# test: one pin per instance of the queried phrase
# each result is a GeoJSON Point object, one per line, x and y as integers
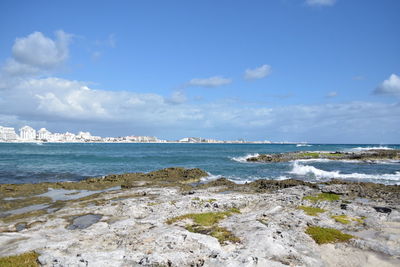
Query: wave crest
{"type": "Point", "coordinates": [243, 159]}
{"type": "Point", "coordinates": [300, 169]}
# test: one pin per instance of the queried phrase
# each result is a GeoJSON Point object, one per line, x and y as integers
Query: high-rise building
{"type": "Point", "coordinates": [43, 134]}
{"type": "Point", "coordinates": [27, 133]}
{"type": "Point", "coordinates": [7, 134]}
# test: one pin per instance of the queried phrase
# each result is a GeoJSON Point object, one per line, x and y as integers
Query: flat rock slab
{"type": "Point", "coordinates": [84, 221]}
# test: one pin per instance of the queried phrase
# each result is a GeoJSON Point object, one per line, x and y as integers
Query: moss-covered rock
{"type": "Point", "coordinates": [323, 197]}
{"type": "Point", "coordinates": [323, 235]}
{"type": "Point", "coordinates": [207, 224]}
{"type": "Point", "coordinates": [29, 259]}
{"type": "Point", "coordinates": [312, 211]}
{"type": "Point", "coordinates": [128, 180]}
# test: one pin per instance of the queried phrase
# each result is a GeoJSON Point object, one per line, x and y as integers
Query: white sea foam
{"type": "Point", "coordinates": [243, 159]}
{"type": "Point", "coordinates": [281, 178]}
{"type": "Point", "coordinates": [210, 177]}
{"type": "Point", "coordinates": [300, 169]}
{"type": "Point", "coordinates": [386, 161]}
{"type": "Point", "coordinates": [300, 145]}
{"type": "Point", "coordinates": [371, 148]}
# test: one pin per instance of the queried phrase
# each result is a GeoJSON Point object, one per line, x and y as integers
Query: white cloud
{"type": "Point", "coordinates": [390, 86]}
{"type": "Point", "coordinates": [214, 81]}
{"type": "Point", "coordinates": [59, 102]}
{"type": "Point", "coordinates": [332, 94]}
{"type": "Point", "coordinates": [41, 51]}
{"type": "Point", "coordinates": [320, 2]}
{"type": "Point", "coordinates": [177, 97]}
{"type": "Point", "coordinates": [257, 73]}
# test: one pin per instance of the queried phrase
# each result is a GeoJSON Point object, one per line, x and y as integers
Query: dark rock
{"type": "Point", "coordinates": [20, 226]}
{"type": "Point", "coordinates": [383, 209]}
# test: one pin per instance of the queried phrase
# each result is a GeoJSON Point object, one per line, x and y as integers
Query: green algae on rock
{"type": "Point", "coordinates": [6, 205]}
{"type": "Point", "coordinates": [312, 211]}
{"type": "Point", "coordinates": [207, 223]}
{"type": "Point", "coordinates": [29, 259]}
{"type": "Point", "coordinates": [323, 197]}
{"type": "Point", "coordinates": [323, 235]}
{"type": "Point", "coordinates": [165, 176]}
{"type": "Point", "coordinates": [205, 219]}
{"type": "Point", "coordinates": [222, 234]}
{"type": "Point", "coordinates": [344, 219]}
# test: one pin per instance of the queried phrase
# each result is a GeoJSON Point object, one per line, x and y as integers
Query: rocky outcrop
{"type": "Point", "coordinates": [263, 223]}
{"type": "Point", "coordinates": [172, 176]}
{"type": "Point", "coordinates": [370, 155]}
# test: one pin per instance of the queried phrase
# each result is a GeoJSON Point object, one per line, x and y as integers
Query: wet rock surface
{"type": "Point", "coordinates": [263, 223]}
{"type": "Point", "coordinates": [84, 221]}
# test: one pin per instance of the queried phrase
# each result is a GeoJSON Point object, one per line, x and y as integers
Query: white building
{"type": "Point", "coordinates": [190, 140]}
{"type": "Point", "coordinates": [43, 134]}
{"type": "Point", "coordinates": [7, 134]}
{"type": "Point", "coordinates": [27, 133]}
{"type": "Point", "coordinates": [69, 137]}
{"type": "Point", "coordinates": [142, 139]}
{"type": "Point", "coordinates": [84, 136]}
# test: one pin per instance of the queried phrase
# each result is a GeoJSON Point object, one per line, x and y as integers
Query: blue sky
{"type": "Point", "coordinates": [301, 70]}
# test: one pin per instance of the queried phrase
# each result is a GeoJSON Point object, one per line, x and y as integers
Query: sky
{"type": "Point", "coordinates": [321, 71]}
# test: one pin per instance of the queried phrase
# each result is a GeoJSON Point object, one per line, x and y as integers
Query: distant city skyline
{"type": "Point", "coordinates": [29, 134]}
{"type": "Point", "coordinates": [322, 71]}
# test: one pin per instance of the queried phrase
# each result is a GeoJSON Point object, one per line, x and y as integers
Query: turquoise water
{"type": "Point", "coordinates": [31, 163]}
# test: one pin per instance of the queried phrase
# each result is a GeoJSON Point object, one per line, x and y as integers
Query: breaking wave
{"type": "Point", "coordinates": [243, 159]}
{"type": "Point", "coordinates": [299, 169]}
{"type": "Point", "coordinates": [300, 145]}
{"type": "Point", "coordinates": [210, 177]}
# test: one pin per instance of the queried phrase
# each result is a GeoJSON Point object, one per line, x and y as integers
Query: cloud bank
{"type": "Point", "coordinates": [44, 100]}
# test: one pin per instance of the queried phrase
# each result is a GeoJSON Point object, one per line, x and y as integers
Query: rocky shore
{"type": "Point", "coordinates": [370, 155]}
{"type": "Point", "coordinates": [170, 218]}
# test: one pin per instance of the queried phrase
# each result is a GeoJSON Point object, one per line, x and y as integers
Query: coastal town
{"type": "Point", "coordinates": [28, 134]}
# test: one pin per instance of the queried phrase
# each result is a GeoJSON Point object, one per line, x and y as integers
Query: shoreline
{"type": "Point", "coordinates": [214, 143]}
{"type": "Point", "coordinates": [166, 217]}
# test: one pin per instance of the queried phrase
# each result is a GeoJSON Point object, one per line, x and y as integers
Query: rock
{"type": "Point", "coordinates": [131, 228]}
{"type": "Point", "coordinates": [383, 209]}
{"type": "Point", "coordinates": [84, 221]}
{"type": "Point", "coordinates": [339, 189]}
{"type": "Point", "coordinates": [364, 156]}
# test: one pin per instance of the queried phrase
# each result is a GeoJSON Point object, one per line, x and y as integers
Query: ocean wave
{"type": "Point", "coordinates": [371, 148]}
{"type": "Point", "coordinates": [299, 169]}
{"type": "Point", "coordinates": [300, 145]}
{"type": "Point", "coordinates": [243, 159]}
{"type": "Point", "coordinates": [210, 177]}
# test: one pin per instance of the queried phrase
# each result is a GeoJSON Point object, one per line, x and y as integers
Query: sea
{"type": "Point", "coordinates": [53, 162]}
